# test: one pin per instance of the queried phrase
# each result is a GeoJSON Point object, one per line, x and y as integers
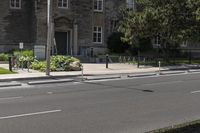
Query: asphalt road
{"type": "Point", "coordinates": [117, 106]}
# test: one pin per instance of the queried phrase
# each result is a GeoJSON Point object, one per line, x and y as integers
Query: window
{"type": "Point", "coordinates": [113, 25]}
{"type": "Point", "coordinates": [63, 3]}
{"type": "Point", "coordinates": [97, 34]}
{"type": "Point", "coordinates": [98, 5]}
{"type": "Point", "coordinates": [184, 44]}
{"type": "Point", "coordinates": [157, 41]}
{"type": "Point", "coordinates": [15, 4]}
{"type": "Point", "coordinates": [130, 4]}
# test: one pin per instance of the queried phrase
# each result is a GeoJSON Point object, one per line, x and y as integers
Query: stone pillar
{"type": "Point", "coordinates": [75, 38]}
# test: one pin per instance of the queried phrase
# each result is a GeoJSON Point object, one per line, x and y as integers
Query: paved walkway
{"type": "Point", "coordinates": [88, 69]}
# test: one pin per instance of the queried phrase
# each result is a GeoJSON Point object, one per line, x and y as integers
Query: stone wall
{"type": "Point", "coordinates": [16, 25]}
{"type": "Point", "coordinates": [41, 22]}
{"type": "Point", "coordinates": [112, 15]}
{"type": "Point", "coordinates": [29, 24]}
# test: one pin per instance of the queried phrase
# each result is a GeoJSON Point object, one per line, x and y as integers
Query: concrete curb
{"type": "Point", "coordinates": [38, 77]}
{"type": "Point", "coordinates": [171, 72]}
{"type": "Point", "coordinates": [49, 81]}
{"type": "Point", "coordinates": [141, 75]}
{"type": "Point", "coordinates": [103, 77]}
{"type": "Point", "coordinates": [98, 76]}
{"type": "Point", "coordinates": [194, 70]}
{"type": "Point", "coordinates": [10, 84]}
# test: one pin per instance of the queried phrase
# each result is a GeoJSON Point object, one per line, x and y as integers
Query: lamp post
{"type": "Point", "coordinates": [49, 34]}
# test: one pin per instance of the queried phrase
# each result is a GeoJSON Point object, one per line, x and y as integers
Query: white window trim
{"type": "Point", "coordinates": [63, 7]}
{"type": "Point", "coordinates": [20, 5]}
{"type": "Point", "coordinates": [97, 10]}
{"type": "Point", "coordinates": [97, 32]}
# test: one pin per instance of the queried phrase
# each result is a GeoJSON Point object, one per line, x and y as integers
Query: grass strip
{"type": "Point", "coordinates": [188, 127]}
{"type": "Point", "coordinates": [5, 71]}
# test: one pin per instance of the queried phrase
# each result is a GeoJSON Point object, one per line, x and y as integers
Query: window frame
{"type": "Point", "coordinates": [15, 4]}
{"type": "Point", "coordinates": [97, 32]}
{"type": "Point", "coordinates": [62, 3]}
{"type": "Point", "coordinates": [96, 4]}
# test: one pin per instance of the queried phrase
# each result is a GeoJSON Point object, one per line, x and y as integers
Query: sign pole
{"type": "Point", "coordinates": [21, 46]}
{"type": "Point", "coordinates": [49, 35]}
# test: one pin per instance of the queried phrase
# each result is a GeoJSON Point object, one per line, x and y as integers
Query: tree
{"type": "Point", "coordinates": [133, 28]}
{"type": "Point", "coordinates": [115, 44]}
{"type": "Point", "coordinates": [174, 21]}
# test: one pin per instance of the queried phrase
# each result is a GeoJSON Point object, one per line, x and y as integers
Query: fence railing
{"type": "Point", "coordinates": [133, 60]}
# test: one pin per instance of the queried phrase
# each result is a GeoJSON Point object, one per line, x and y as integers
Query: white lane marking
{"type": "Point", "coordinates": [160, 83]}
{"type": "Point", "coordinates": [49, 93]}
{"type": "Point", "coordinates": [193, 92]}
{"type": "Point", "coordinates": [29, 114]}
{"type": "Point", "coordinates": [10, 98]}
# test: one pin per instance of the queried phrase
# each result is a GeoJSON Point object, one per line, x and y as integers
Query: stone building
{"type": "Point", "coordinates": [81, 27]}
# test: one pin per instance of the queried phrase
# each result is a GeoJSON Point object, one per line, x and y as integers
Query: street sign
{"type": "Point", "coordinates": [21, 45]}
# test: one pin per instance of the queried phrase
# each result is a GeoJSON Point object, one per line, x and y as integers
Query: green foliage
{"type": "Point", "coordinates": [38, 65]}
{"type": "Point", "coordinates": [4, 57]}
{"type": "Point", "coordinates": [174, 21]}
{"type": "Point", "coordinates": [58, 63]}
{"type": "Point", "coordinates": [24, 53]}
{"type": "Point", "coordinates": [114, 43]}
{"type": "Point", "coordinates": [23, 57]}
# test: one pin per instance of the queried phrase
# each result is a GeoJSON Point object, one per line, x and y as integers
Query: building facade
{"type": "Point", "coordinates": [81, 27]}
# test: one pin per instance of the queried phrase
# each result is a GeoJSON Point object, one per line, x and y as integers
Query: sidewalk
{"type": "Point", "coordinates": [88, 70]}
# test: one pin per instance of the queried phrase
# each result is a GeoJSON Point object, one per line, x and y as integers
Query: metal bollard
{"type": "Point", "coordinates": [107, 60]}
{"type": "Point", "coordinates": [28, 65]}
{"type": "Point", "coordinates": [10, 63]}
{"type": "Point", "coordinates": [82, 73]}
{"type": "Point", "coordinates": [159, 63]}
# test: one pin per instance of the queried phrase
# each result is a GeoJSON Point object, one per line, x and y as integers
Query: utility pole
{"type": "Point", "coordinates": [49, 34]}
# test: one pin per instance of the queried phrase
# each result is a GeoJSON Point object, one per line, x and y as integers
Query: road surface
{"type": "Point", "coordinates": [114, 106]}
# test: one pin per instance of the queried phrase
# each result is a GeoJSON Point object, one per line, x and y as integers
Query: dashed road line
{"type": "Point", "coordinates": [30, 114]}
{"type": "Point", "coordinates": [193, 92]}
{"type": "Point", "coordinates": [162, 83]}
{"type": "Point", "coordinates": [10, 98]}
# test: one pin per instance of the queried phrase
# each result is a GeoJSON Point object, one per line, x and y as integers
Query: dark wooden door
{"type": "Point", "coordinates": [62, 43]}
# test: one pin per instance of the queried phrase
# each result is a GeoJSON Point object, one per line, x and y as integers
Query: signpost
{"type": "Point", "coordinates": [49, 34]}
{"type": "Point", "coordinates": [21, 45]}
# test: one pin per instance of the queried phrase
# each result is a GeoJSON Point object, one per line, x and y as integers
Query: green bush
{"type": "Point", "coordinates": [58, 63]}
{"type": "Point", "coordinates": [23, 57]}
{"type": "Point", "coordinates": [4, 57]}
{"type": "Point", "coordinates": [25, 53]}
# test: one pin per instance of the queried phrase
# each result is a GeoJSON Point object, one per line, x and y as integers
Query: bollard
{"type": "Point", "coordinates": [159, 63]}
{"type": "Point", "coordinates": [107, 61]}
{"type": "Point", "coordinates": [28, 65]}
{"type": "Point", "coordinates": [10, 63]}
{"type": "Point", "coordinates": [82, 73]}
